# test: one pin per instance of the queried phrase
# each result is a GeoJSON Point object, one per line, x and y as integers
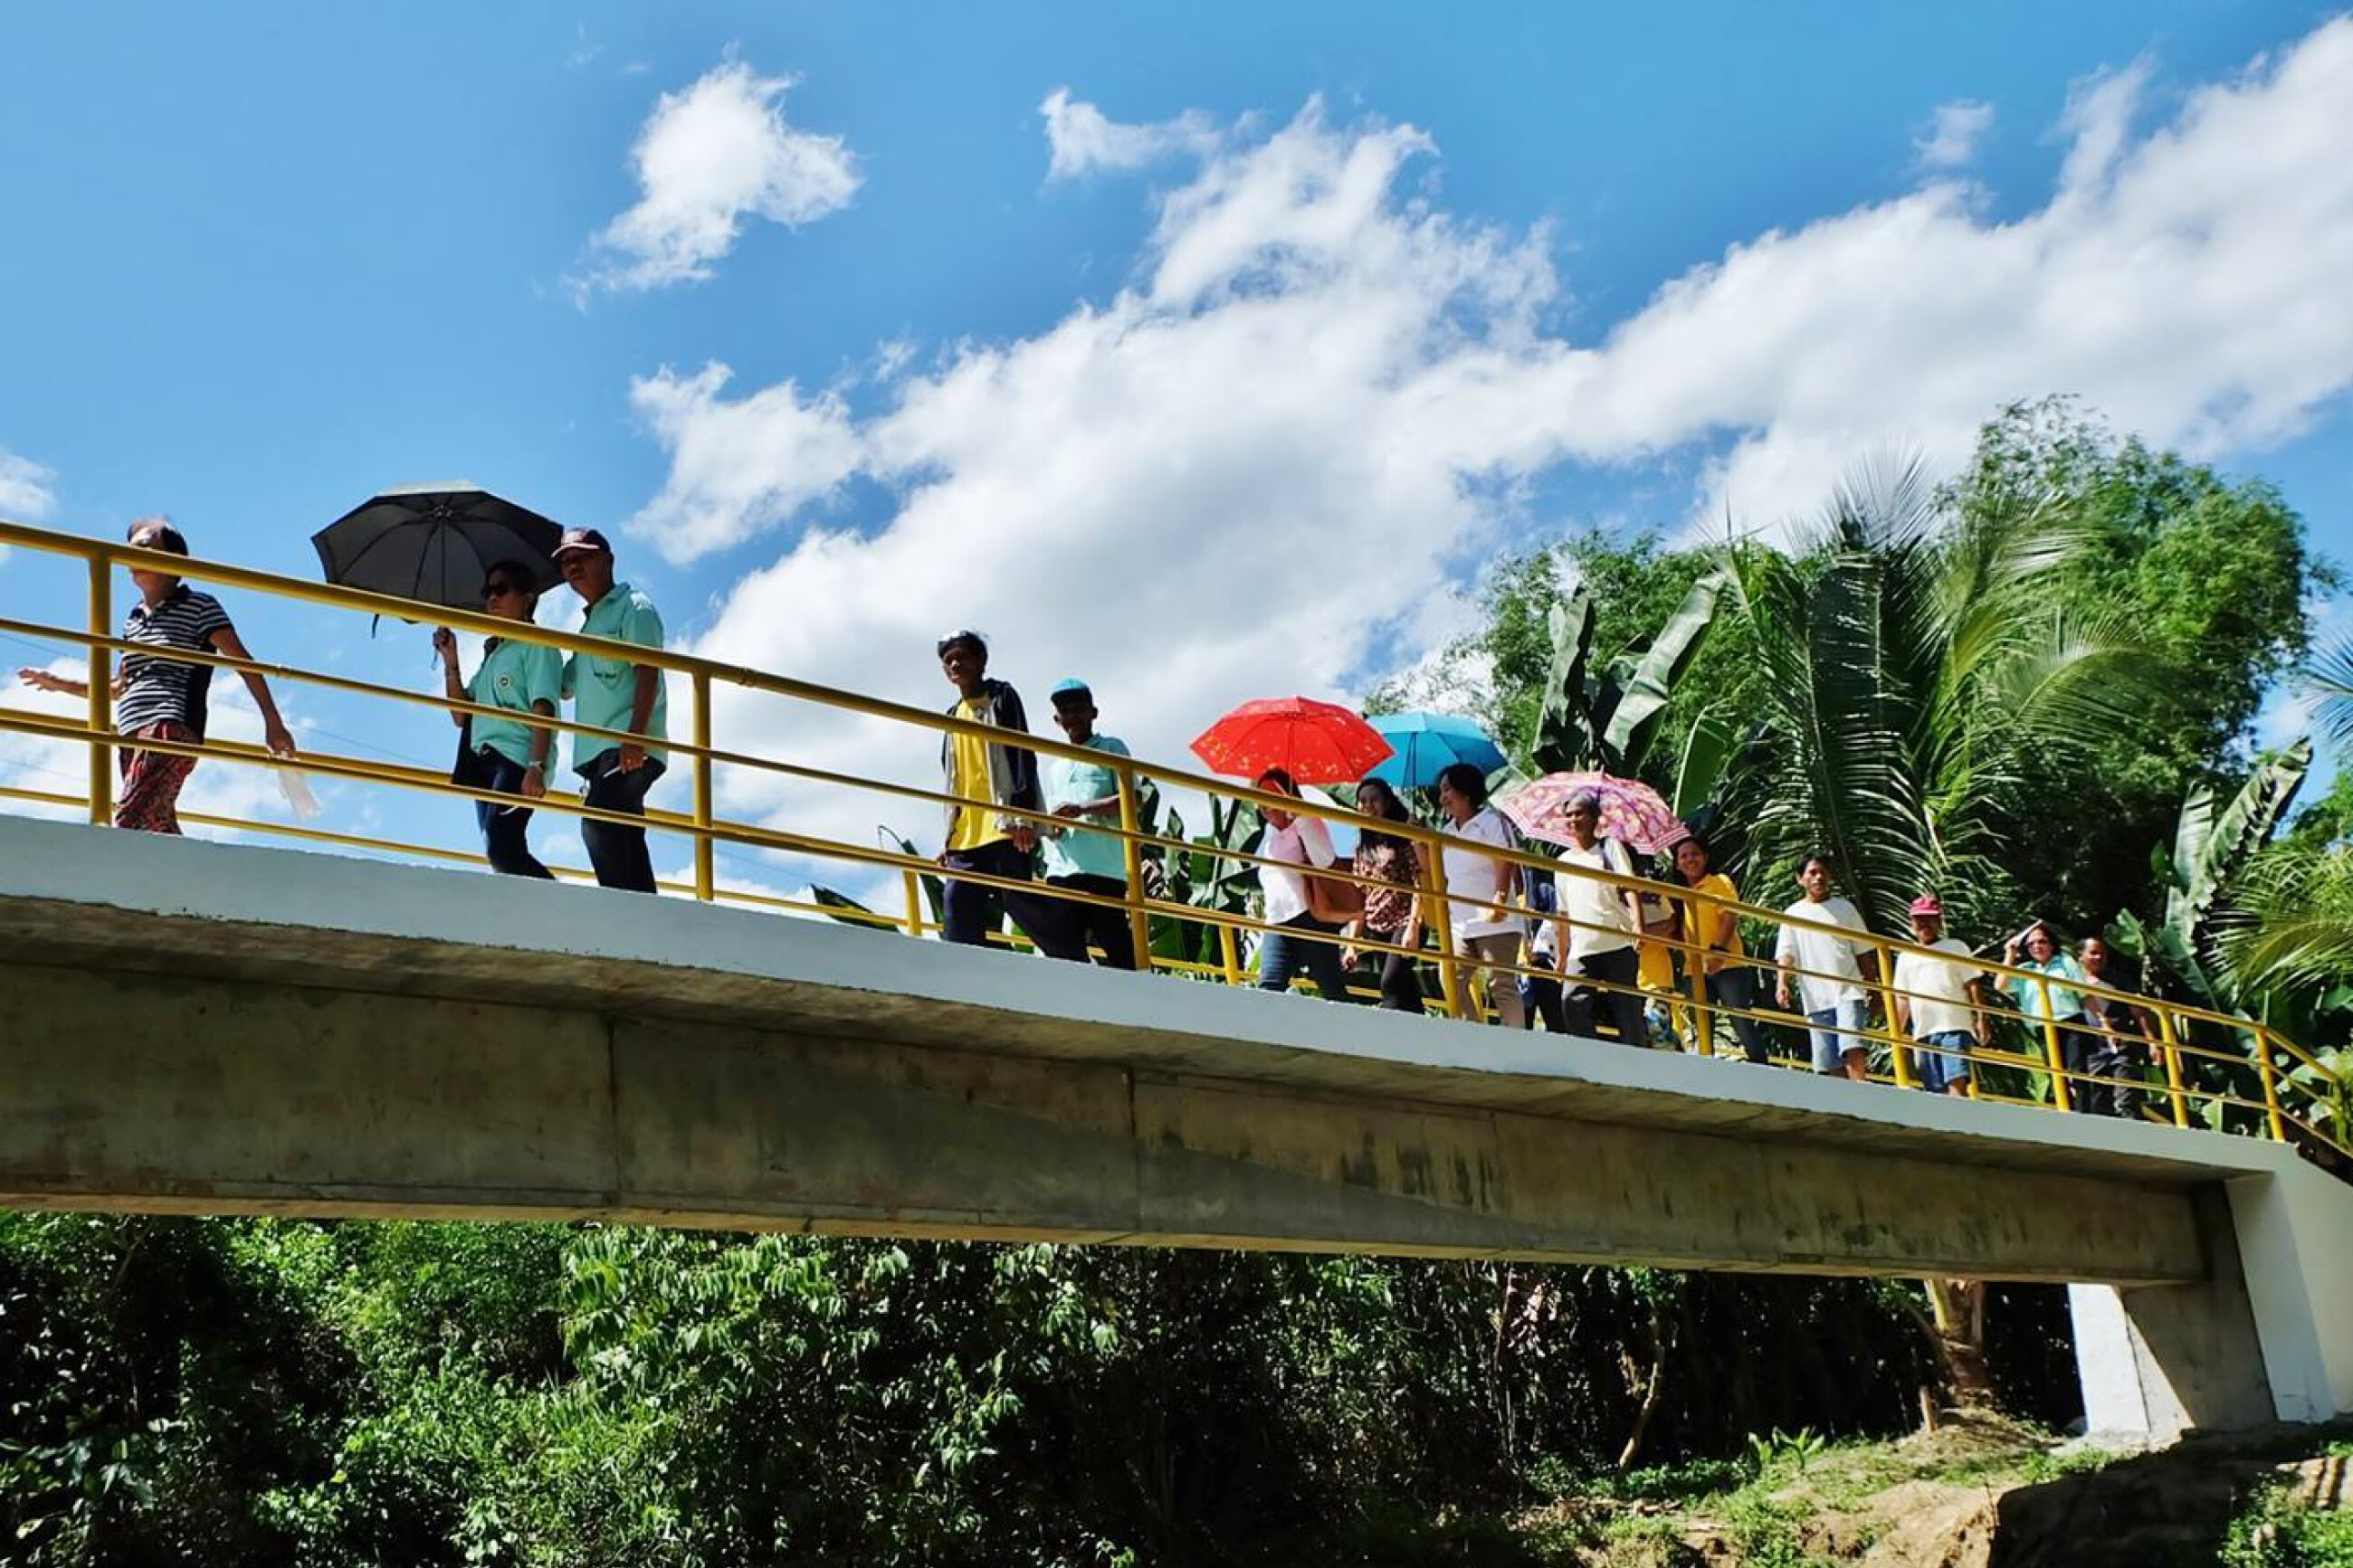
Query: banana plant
{"type": "Point", "coordinates": [1607, 718]}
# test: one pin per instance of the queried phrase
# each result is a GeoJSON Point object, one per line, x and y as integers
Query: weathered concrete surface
{"type": "Point", "coordinates": [210, 1028]}
{"type": "Point", "coordinates": [151, 1092]}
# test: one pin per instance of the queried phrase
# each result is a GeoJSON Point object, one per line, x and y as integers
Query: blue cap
{"type": "Point", "coordinates": [1065, 687]}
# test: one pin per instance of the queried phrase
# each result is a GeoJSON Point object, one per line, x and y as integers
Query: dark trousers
{"type": "Point", "coordinates": [1623, 1008]}
{"type": "Point", "coordinates": [1303, 944]}
{"type": "Point", "coordinates": [505, 829]}
{"type": "Point", "coordinates": [2113, 1088]}
{"type": "Point", "coordinates": [1400, 976]}
{"type": "Point", "coordinates": [618, 853]}
{"type": "Point", "coordinates": [1098, 925]}
{"type": "Point", "coordinates": [970, 911]}
{"type": "Point", "coordinates": [1736, 986]}
{"type": "Point", "coordinates": [1541, 998]}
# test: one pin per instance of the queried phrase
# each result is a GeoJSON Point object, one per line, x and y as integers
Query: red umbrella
{"type": "Point", "coordinates": [1314, 742]}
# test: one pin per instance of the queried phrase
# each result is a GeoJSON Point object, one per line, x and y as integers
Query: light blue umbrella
{"type": "Point", "coordinates": [1426, 744]}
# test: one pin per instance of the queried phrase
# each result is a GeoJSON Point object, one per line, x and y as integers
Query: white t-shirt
{"type": "Point", "coordinates": [1304, 842]}
{"type": "Point", "coordinates": [1938, 992]}
{"type": "Point", "coordinates": [1589, 902]}
{"type": "Point", "coordinates": [1811, 939]}
{"type": "Point", "coordinates": [1474, 874]}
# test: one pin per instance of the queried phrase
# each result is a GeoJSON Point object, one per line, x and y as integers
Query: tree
{"type": "Point", "coordinates": [2212, 574]}
{"type": "Point", "coordinates": [1915, 667]}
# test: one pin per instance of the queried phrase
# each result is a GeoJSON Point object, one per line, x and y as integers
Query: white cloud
{"type": "Point", "coordinates": [28, 491]}
{"type": "Point", "coordinates": [1255, 469]}
{"type": "Point", "coordinates": [1080, 140]}
{"type": "Point", "coordinates": [736, 467]}
{"type": "Point", "coordinates": [1950, 139]}
{"type": "Point", "coordinates": [708, 158]}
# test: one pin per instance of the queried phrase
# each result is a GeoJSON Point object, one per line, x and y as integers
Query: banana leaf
{"type": "Point", "coordinates": [1565, 727]}
{"type": "Point", "coordinates": [1642, 704]}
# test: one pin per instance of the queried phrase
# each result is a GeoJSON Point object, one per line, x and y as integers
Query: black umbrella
{"type": "Point", "coordinates": [434, 543]}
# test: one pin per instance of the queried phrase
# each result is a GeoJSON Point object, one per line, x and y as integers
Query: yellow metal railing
{"type": "Point", "coordinates": [2280, 1106]}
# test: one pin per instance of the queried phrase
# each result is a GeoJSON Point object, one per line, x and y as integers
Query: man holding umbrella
{"type": "Point", "coordinates": [613, 694]}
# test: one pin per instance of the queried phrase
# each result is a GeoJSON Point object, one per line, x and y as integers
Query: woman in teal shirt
{"type": "Point", "coordinates": [2055, 996]}
{"type": "Point", "coordinates": [508, 756]}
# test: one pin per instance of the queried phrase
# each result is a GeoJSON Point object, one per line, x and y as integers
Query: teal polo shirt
{"type": "Point", "coordinates": [1066, 780]}
{"type": "Point", "coordinates": [603, 690]}
{"type": "Point", "coordinates": [512, 676]}
{"type": "Point", "coordinates": [2065, 1000]}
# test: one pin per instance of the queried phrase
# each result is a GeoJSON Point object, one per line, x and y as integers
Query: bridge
{"type": "Point", "coordinates": [212, 1029]}
{"type": "Point", "coordinates": [226, 1028]}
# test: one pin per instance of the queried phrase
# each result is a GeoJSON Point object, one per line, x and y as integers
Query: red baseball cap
{"type": "Point", "coordinates": [583, 538]}
{"type": "Point", "coordinates": [1927, 904]}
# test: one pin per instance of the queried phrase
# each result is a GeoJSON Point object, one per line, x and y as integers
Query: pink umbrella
{"type": "Point", "coordinates": [1631, 811]}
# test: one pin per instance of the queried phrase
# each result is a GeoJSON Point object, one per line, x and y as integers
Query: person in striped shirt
{"type": "Point", "coordinates": [157, 698]}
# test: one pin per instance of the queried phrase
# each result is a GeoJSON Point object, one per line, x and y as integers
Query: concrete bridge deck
{"type": "Point", "coordinates": [199, 1027]}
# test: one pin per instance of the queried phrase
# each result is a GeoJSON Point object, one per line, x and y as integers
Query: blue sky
{"type": "Point", "coordinates": [1338, 300]}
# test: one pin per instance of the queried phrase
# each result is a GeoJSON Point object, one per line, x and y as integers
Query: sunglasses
{"type": "Point", "coordinates": [497, 589]}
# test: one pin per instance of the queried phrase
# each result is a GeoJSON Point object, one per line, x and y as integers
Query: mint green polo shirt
{"type": "Point", "coordinates": [512, 676]}
{"type": "Point", "coordinates": [603, 690]}
{"type": "Point", "coordinates": [1066, 780]}
{"type": "Point", "coordinates": [2065, 1000]}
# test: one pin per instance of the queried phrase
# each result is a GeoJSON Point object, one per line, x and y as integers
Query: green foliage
{"type": "Point", "coordinates": [1793, 1450]}
{"type": "Point", "coordinates": [348, 1394]}
{"type": "Point", "coordinates": [2278, 1529]}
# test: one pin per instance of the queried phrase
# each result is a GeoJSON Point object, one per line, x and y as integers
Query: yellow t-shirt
{"type": "Point", "coordinates": [968, 778]}
{"type": "Point", "coordinates": [1699, 918]}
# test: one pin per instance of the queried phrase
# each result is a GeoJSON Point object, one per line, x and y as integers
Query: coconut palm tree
{"type": "Point", "coordinates": [1918, 673]}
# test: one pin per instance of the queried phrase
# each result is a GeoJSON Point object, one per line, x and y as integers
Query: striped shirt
{"type": "Point", "coordinates": [166, 690]}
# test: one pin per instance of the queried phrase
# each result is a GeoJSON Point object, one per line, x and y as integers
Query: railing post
{"type": "Point", "coordinates": [1696, 960]}
{"type": "Point", "coordinates": [1898, 1048]}
{"type": "Point", "coordinates": [2061, 1093]}
{"type": "Point", "coordinates": [2172, 1049]}
{"type": "Point", "coordinates": [706, 880]}
{"type": "Point", "coordinates": [2270, 1074]}
{"type": "Point", "coordinates": [1229, 954]}
{"type": "Point", "coordinates": [1451, 978]}
{"type": "Point", "coordinates": [101, 695]}
{"type": "Point", "coordinates": [914, 887]}
{"type": "Point", "coordinates": [1139, 918]}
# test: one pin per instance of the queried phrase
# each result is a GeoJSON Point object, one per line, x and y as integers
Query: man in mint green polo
{"type": "Point", "coordinates": [1076, 859]}
{"type": "Point", "coordinates": [613, 694]}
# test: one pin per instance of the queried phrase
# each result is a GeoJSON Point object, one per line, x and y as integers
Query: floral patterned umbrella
{"type": "Point", "coordinates": [1631, 811]}
{"type": "Point", "coordinates": [1314, 742]}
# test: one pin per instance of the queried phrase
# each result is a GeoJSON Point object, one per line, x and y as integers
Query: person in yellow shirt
{"type": "Point", "coordinates": [985, 775]}
{"type": "Point", "coordinates": [1714, 931]}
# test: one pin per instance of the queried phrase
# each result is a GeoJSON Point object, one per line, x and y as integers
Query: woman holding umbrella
{"type": "Point", "coordinates": [1298, 940]}
{"type": "Point", "coordinates": [508, 756]}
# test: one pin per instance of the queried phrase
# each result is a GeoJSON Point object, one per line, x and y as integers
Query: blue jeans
{"type": "Point", "coordinates": [1294, 947]}
{"type": "Point", "coordinates": [505, 836]}
{"type": "Point", "coordinates": [1937, 1060]}
{"type": "Point", "coordinates": [1831, 1040]}
{"type": "Point", "coordinates": [618, 853]}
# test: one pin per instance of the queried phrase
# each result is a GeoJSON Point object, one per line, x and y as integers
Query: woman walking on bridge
{"type": "Point", "coordinates": [508, 756]}
{"type": "Point", "coordinates": [157, 698]}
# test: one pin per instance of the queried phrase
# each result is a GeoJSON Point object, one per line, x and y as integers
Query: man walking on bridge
{"type": "Point", "coordinates": [985, 775]}
{"type": "Point", "coordinates": [613, 694]}
{"type": "Point", "coordinates": [1075, 859]}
